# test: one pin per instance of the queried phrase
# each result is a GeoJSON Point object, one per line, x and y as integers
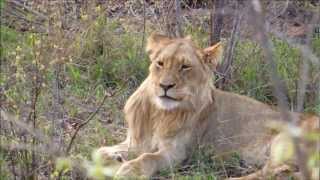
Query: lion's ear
{"type": "Point", "coordinates": [213, 55]}
{"type": "Point", "coordinates": [155, 42]}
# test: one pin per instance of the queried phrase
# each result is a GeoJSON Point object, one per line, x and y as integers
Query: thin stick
{"type": "Point", "coordinates": [216, 16]}
{"type": "Point", "coordinates": [144, 28]}
{"type": "Point", "coordinates": [225, 67]}
{"type": "Point", "coordinates": [178, 19]}
{"type": "Point", "coordinates": [85, 123]}
{"type": "Point", "coordinates": [93, 114]}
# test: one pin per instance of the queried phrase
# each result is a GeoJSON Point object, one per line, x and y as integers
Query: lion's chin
{"type": "Point", "coordinates": [166, 103]}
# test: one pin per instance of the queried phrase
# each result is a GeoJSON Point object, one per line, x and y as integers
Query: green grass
{"type": "Point", "coordinates": [110, 60]}
{"type": "Point", "coordinates": [316, 45]}
{"type": "Point", "coordinates": [9, 39]}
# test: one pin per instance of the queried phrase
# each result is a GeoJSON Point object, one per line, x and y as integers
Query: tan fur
{"type": "Point", "coordinates": [276, 170]}
{"type": "Point", "coordinates": [163, 131]}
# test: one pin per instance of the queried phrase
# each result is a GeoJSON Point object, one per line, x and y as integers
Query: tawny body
{"type": "Point", "coordinates": [230, 122]}
{"type": "Point", "coordinates": [177, 108]}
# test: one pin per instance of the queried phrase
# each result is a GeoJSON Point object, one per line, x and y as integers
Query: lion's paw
{"type": "Point", "coordinates": [130, 169]}
{"type": "Point", "coordinates": [110, 157]}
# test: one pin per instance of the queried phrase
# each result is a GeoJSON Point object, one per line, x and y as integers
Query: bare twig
{"type": "Point", "coordinates": [23, 17]}
{"type": "Point", "coordinates": [168, 11]}
{"type": "Point", "coordinates": [283, 10]}
{"type": "Point", "coordinates": [216, 21]}
{"type": "Point", "coordinates": [20, 5]}
{"type": "Point", "coordinates": [228, 60]}
{"type": "Point", "coordinates": [302, 82]}
{"type": "Point", "coordinates": [144, 29]}
{"type": "Point", "coordinates": [178, 19]}
{"type": "Point", "coordinates": [92, 115]}
{"type": "Point", "coordinates": [34, 118]}
{"type": "Point", "coordinates": [13, 164]}
{"type": "Point", "coordinates": [5, 116]}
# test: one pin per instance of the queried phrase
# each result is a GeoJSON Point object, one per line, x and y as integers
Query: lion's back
{"type": "Point", "coordinates": [237, 124]}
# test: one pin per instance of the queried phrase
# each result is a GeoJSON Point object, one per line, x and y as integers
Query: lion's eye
{"type": "Point", "coordinates": [159, 63]}
{"type": "Point", "coordinates": [185, 67]}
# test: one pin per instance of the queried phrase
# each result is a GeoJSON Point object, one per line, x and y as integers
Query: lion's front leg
{"type": "Point", "coordinates": [117, 152]}
{"type": "Point", "coordinates": [149, 163]}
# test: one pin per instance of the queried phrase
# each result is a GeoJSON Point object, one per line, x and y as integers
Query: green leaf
{"type": "Point", "coordinates": [282, 149]}
{"type": "Point", "coordinates": [63, 165]}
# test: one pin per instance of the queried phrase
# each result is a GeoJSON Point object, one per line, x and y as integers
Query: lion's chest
{"type": "Point", "coordinates": [167, 126]}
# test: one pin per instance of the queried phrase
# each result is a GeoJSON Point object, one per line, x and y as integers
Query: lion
{"type": "Point", "coordinates": [178, 108]}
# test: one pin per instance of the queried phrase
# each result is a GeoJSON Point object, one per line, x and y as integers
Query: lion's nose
{"type": "Point", "coordinates": [166, 87]}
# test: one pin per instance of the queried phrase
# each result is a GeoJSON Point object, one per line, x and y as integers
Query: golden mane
{"type": "Point", "coordinates": [143, 115]}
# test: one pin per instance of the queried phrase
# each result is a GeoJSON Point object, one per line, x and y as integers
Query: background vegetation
{"type": "Point", "coordinates": [67, 69]}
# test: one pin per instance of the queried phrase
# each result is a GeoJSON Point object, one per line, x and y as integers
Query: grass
{"type": "Point", "coordinates": [102, 60]}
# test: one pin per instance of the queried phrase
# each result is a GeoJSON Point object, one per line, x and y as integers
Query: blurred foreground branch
{"type": "Point", "coordinates": [279, 87]}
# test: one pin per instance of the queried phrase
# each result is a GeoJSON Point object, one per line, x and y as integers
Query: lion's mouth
{"type": "Point", "coordinates": [168, 97]}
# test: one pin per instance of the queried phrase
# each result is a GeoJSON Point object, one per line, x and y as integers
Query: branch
{"type": "Point", "coordinates": [6, 116]}
{"type": "Point", "coordinates": [216, 17]}
{"type": "Point", "coordinates": [89, 119]}
{"type": "Point", "coordinates": [279, 87]}
{"type": "Point", "coordinates": [20, 5]}
{"type": "Point", "coordinates": [144, 28]}
{"type": "Point", "coordinates": [228, 61]}
{"type": "Point", "coordinates": [178, 19]}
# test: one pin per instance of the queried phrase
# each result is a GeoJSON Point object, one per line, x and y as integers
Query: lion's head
{"type": "Point", "coordinates": [180, 73]}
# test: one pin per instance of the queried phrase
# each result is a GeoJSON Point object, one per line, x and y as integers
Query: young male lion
{"type": "Point", "coordinates": [177, 108]}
